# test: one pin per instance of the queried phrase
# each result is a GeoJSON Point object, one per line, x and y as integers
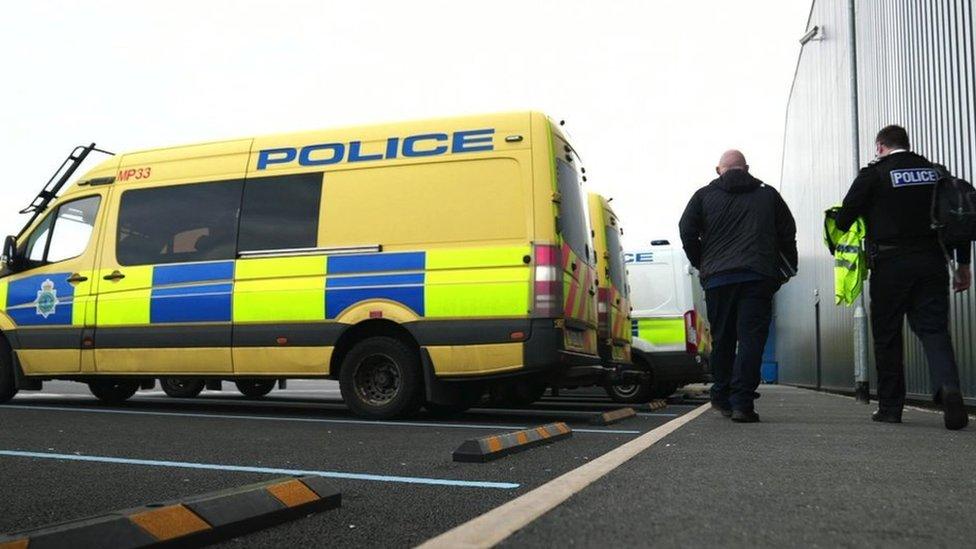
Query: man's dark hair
{"type": "Point", "coordinates": [893, 137]}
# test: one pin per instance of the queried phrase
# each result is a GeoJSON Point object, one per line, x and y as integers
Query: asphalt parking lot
{"type": "Point", "coordinates": [65, 456]}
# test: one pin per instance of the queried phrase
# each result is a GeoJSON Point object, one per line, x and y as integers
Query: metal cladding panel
{"type": "Point", "coordinates": [915, 64]}
{"type": "Point", "coordinates": [817, 168]}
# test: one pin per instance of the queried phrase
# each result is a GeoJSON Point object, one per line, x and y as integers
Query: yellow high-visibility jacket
{"type": "Point", "coordinates": [850, 257]}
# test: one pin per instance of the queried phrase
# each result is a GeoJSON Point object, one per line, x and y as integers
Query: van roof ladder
{"type": "Point", "coordinates": [57, 181]}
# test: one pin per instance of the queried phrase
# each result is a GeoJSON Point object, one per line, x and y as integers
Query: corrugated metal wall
{"type": "Point", "coordinates": [915, 64]}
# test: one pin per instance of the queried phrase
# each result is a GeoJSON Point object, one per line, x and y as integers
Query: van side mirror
{"type": "Point", "coordinates": [10, 259]}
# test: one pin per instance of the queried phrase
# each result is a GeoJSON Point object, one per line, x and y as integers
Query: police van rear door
{"type": "Point", "coordinates": [579, 270]}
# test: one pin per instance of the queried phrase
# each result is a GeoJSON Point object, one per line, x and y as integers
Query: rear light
{"type": "Point", "coordinates": [547, 285]}
{"type": "Point", "coordinates": [691, 332]}
{"type": "Point", "coordinates": [602, 307]}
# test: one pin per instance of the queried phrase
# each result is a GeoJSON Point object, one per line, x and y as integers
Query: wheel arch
{"type": "Point", "coordinates": [365, 329]}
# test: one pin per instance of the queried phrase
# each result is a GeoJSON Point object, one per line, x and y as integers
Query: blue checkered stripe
{"type": "Point", "coordinates": [634, 329]}
{"type": "Point", "coordinates": [394, 276]}
{"type": "Point", "coordinates": [193, 292]}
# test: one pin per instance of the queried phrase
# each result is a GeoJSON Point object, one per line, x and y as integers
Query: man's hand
{"type": "Point", "coordinates": [963, 278]}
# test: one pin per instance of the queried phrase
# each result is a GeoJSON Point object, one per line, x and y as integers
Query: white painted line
{"type": "Point", "coordinates": [302, 419]}
{"type": "Point", "coordinates": [556, 413]}
{"type": "Point", "coordinates": [501, 522]}
{"type": "Point", "coordinates": [28, 396]}
{"type": "Point", "coordinates": [266, 470]}
{"type": "Point", "coordinates": [907, 406]}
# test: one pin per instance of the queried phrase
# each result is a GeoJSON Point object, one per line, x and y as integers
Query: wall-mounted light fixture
{"type": "Point", "coordinates": [812, 34]}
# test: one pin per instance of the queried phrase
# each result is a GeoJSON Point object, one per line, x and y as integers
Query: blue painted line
{"type": "Point", "coordinates": [338, 300]}
{"type": "Point", "coordinates": [264, 470]}
{"type": "Point", "coordinates": [190, 291]}
{"type": "Point", "coordinates": [302, 419]}
{"type": "Point", "coordinates": [206, 303]}
{"type": "Point", "coordinates": [192, 272]}
{"type": "Point", "coordinates": [375, 263]}
{"type": "Point", "coordinates": [376, 281]}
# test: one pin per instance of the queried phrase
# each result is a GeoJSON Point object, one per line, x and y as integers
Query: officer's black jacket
{"type": "Point", "coordinates": [738, 223]}
{"type": "Point", "coordinates": [894, 195]}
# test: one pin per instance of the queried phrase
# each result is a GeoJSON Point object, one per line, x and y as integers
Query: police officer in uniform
{"type": "Point", "coordinates": [909, 273]}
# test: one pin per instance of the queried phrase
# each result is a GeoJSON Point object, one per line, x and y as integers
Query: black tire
{"type": "Point", "coordinates": [113, 391]}
{"type": "Point", "coordinates": [468, 399]}
{"type": "Point", "coordinates": [255, 388]}
{"type": "Point", "coordinates": [636, 393]}
{"type": "Point", "coordinates": [517, 393]}
{"type": "Point", "coordinates": [528, 392]}
{"type": "Point", "coordinates": [446, 410]}
{"type": "Point", "coordinates": [182, 387]}
{"type": "Point", "coordinates": [380, 378]}
{"type": "Point", "coordinates": [8, 383]}
{"type": "Point", "coordinates": [665, 390]}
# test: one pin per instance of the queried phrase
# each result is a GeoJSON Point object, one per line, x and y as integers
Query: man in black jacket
{"type": "Point", "coordinates": [740, 235]}
{"type": "Point", "coordinates": [909, 274]}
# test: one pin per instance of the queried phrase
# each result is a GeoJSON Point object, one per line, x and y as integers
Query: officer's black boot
{"type": "Point", "coordinates": [745, 416]}
{"type": "Point", "coordinates": [954, 415]}
{"type": "Point", "coordinates": [884, 415]}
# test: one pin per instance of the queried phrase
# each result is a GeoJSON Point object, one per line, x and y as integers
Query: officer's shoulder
{"type": "Point", "coordinates": [768, 189]}
{"type": "Point", "coordinates": [871, 170]}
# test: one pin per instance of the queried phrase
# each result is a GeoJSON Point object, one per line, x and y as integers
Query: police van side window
{"type": "Point", "coordinates": [616, 260]}
{"type": "Point", "coordinates": [281, 213]}
{"type": "Point", "coordinates": [573, 222]}
{"type": "Point", "coordinates": [179, 223]}
{"type": "Point", "coordinates": [65, 233]}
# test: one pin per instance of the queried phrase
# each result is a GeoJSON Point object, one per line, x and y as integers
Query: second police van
{"type": "Point", "coordinates": [613, 303]}
{"type": "Point", "coordinates": [418, 263]}
{"type": "Point", "coordinates": [669, 326]}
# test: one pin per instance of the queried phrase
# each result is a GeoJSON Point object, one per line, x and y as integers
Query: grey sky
{"type": "Point", "coordinates": [652, 92]}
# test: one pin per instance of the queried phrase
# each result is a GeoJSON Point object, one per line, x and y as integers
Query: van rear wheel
{"type": "Point", "coordinates": [113, 391]}
{"type": "Point", "coordinates": [634, 393]}
{"type": "Point", "coordinates": [182, 387]}
{"type": "Point", "coordinates": [255, 388]}
{"type": "Point", "coordinates": [380, 378]}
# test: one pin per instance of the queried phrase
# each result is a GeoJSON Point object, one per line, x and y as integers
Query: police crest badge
{"type": "Point", "coordinates": [47, 299]}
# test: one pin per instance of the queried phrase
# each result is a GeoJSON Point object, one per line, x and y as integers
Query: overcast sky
{"type": "Point", "coordinates": [652, 92]}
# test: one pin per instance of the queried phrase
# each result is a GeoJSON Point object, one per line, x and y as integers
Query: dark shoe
{"type": "Point", "coordinates": [955, 416]}
{"type": "Point", "coordinates": [886, 416]}
{"type": "Point", "coordinates": [745, 416]}
{"type": "Point", "coordinates": [726, 411]}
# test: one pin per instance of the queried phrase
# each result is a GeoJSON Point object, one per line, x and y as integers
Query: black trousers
{"type": "Point", "coordinates": [915, 284]}
{"type": "Point", "coordinates": [739, 315]}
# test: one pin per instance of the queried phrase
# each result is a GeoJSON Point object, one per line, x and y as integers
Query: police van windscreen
{"type": "Point", "coordinates": [573, 221]}
{"type": "Point", "coordinates": [616, 261]}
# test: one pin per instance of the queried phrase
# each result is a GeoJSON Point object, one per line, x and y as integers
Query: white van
{"type": "Point", "coordinates": [668, 322]}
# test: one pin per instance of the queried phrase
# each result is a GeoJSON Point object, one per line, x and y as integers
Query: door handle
{"type": "Point", "coordinates": [115, 275]}
{"type": "Point", "coordinates": [75, 278]}
{"type": "Point", "coordinates": [592, 291]}
{"type": "Point", "coordinates": [574, 265]}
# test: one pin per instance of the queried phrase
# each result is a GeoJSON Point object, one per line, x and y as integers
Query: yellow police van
{"type": "Point", "coordinates": [613, 303]}
{"type": "Point", "coordinates": [418, 263]}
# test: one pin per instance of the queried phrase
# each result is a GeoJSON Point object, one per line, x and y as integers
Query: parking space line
{"type": "Point", "coordinates": [586, 413]}
{"type": "Point", "coordinates": [496, 525]}
{"type": "Point", "coordinates": [264, 470]}
{"type": "Point", "coordinates": [302, 419]}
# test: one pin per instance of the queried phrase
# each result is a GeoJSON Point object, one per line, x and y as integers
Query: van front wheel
{"type": "Point", "coordinates": [380, 378]}
{"type": "Point", "coordinates": [8, 385]}
{"type": "Point", "coordinates": [113, 391]}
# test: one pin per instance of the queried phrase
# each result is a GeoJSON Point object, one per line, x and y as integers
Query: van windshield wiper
{"type": "Point", "coordinates": [57, 181]}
